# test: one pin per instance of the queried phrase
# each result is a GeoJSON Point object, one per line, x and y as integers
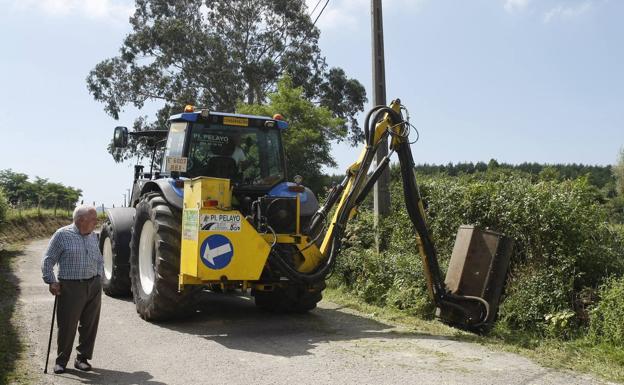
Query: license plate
{"type": "Point", "coordinates": [233, 121]}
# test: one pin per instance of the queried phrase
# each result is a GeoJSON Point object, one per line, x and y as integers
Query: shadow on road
{"type": "Point", "coordinates": [235, 322]}
{"type": "Point", "coordinates": [105, 377]}
{"type": "Point", "coordinates": [10, 342]}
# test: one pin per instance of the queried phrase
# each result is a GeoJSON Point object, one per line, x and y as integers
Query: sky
{"type": "Point", "coordinates": [514, 80]}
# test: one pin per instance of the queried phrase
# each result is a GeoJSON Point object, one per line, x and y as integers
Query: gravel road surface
{"type": "Point", "coordinates": [229, 341]}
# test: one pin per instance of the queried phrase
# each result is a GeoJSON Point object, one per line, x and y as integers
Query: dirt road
{"type": "Point", "coordinates": [230, 341]}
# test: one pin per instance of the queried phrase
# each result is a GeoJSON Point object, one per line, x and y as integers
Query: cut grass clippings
{"type": "Point", "coordinates": [579, 355]}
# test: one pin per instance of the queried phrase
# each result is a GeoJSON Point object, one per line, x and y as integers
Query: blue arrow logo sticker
{"type": "Point", "coordinates": [216, 252]}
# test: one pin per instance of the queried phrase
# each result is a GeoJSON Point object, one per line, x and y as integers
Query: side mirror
{"type": "Point", "coordinates": [120, 137]}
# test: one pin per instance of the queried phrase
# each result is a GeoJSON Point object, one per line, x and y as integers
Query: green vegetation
{"type": "Point", "coordinates": [233, 51]}
{"type": "Point", "coordinates": [22, 194]}
{"type": "Point", "coordinates": [11, 346]}
{"type": "Point", "coordinates": [564, 294]}
{"type": "Point", "coordinates": [607, 316]}
{"type": "Point", "coordinates": [583, 355]}
{"type": "Point", "coordinates": [15, 214]}
{"type": "Point", "coordinates": [14, 230]}
{"type": "Point", "coordinates": [599, 176]}
{"type": "Point", "coordinates": [618, 172]}
{"type": "Point", "coordinates": [4, 206]}
{"type": "Point", "coordinates": [607, 181]}
{"type": "Point", "coordinates": [616, 204]}
{"type": "Point", "coordinates": [307, 142]}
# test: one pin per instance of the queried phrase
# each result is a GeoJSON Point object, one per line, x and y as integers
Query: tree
{"type": "Point", "coordinates": [216, 54]}
{"type": "Point", "coordinates": [4, 206]}
{"type": "Point", "coordinates": [14, 185]}
{"type": "Point", "coordinates": [311, 129]}
{"type": "Point", "coordinates": [618, 172]}
{"type": "Point", "coordinates": [39, 192]}
{"type": "Point", "coordinates": [549, 173]}
{"type": "Point", "coordinates": [55, 194]}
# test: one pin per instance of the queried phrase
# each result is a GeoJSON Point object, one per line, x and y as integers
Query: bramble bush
{"type": "Point", "coordinates": [563, 245]}
{"type": "Point", "coordinates": [394, 277]}
{"type": "Point", "coordinates": [607, 317]}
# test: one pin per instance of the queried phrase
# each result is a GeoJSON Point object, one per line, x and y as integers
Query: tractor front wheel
{"type": "Point", "coordinates": [155, 261]}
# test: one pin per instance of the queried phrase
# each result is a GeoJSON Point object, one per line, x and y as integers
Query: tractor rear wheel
{"type": "Point", "coordinates": [116, 279]}
{"type": "Point", "coordinates": [289, 299]}
{"type": "Point", "coordinates": [155, 261]}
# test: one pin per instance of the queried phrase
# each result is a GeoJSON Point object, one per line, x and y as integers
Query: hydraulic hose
{"type": "Point", "coordinates": [336, 242]}
{"type": "Point", "coordinates": [413, 204]}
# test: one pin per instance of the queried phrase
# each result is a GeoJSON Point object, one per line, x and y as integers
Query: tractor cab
{"type": "Point", "coordinates": [245, 149]}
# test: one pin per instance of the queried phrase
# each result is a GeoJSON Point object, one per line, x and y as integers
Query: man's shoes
{"type": "Point", "coordinates": [82, 365]}
{"type": "Point", "coordinates": [58, 369]}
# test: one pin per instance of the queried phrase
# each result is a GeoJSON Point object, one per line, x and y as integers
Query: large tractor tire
{"type": "Point", "coordinates": [289, 299]}
{"type": "Point", "coordinates": [155, 261]}
{"type": "Point", "coordinates": [116, 279]}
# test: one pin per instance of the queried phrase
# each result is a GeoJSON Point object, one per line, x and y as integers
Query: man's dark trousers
{"type": "Point", "coordinates": [79, 302]}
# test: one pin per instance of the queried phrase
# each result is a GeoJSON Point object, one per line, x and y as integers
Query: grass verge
{"type": "Point", "coordinates": [13, 214]}
{"type": "Point", "coordinates": [14, 367]}
{"type": "Point", "coordinates": [26, 228]}
{"type": "Point", "coordinates": [579, 355]}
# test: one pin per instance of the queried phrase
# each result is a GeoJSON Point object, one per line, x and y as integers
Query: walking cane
{"type": "Point", "coordinates": [51, 330]}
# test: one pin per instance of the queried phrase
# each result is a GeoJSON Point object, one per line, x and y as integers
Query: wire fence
{"type": "Point", "coordinates": [29, 211]}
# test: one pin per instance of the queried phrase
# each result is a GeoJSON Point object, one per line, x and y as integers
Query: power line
{"type": "Point", "coordinates": [306, 35]}
{"type": "Point", "coordinates": [320, 13]}
{"type": "Point", "coordinates": [314, 9]}
{"type": "Point", "coordinates": [278, 56]}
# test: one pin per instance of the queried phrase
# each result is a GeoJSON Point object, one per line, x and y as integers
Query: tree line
{"type": "Point", "coordinates": [21, 192]}
{"type": "Point", "coordinates": [607, 181]}
{"type": "Point", "coordinates": [599, 176]}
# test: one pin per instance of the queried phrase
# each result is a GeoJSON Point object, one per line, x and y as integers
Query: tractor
{"type": "Point", "coordinates": [222, 215]}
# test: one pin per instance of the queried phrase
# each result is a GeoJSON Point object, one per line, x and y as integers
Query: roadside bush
{"type": "Point", "coordinates": [537, 296]}
{"type": "Point", "coordinates": [607, 317]}
{"type": "Point", "coordinates": [393, 277]}
{"type": "Point", "coordinates": [615, 206]}
{"type": "Point", "coordinates": [4, 206]}
{"type": "Point", "coordinates": [563, 244]}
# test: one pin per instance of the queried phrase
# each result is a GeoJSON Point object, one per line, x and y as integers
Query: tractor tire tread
{"type": "Point", "coordinates": [119, 284]}
{"type": "Point", "coordinates": [164, 302]}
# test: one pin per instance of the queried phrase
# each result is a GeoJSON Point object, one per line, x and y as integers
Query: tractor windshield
{"type": "Point", "coordinates": [247, 156]}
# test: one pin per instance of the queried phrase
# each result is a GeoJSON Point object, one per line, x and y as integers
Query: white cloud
{"type": "Point", "coordinates": [516, 5]}
{"type": "Point", "coordinates": [567, 12]}
{"type": "Point", "coordinates": [118, 10]}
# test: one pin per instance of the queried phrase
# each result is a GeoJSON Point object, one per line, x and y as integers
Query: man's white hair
{"type": "Point", "coordinates": [81, 211]}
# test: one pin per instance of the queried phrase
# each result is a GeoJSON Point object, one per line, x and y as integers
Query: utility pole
{"type": "Point", "coordinates": [381, 191]}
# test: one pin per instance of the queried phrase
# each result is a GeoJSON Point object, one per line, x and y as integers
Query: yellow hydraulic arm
{"type": "Point", "coordinates": [380, 123]}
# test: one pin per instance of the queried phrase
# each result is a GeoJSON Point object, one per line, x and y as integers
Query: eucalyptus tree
{"type": "Point", "coordinates": [618, 172]}
{"type": "Point", "coordinates": [216, 54]}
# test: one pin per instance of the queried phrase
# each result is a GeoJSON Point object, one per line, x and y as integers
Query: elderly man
{"type": "Point", "coordinates": [80, 265]}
